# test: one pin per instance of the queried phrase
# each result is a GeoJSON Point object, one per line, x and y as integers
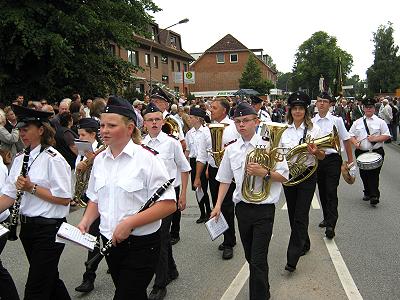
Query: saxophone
{"type": "Point", "coordinates": [82, 178]}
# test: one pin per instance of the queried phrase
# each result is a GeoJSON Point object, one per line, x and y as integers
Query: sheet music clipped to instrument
{"type": "Point", "coordinates": [70, 233]}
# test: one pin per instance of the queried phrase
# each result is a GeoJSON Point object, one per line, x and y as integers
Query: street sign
{"type": "Point", "coordinates": [189, 77]}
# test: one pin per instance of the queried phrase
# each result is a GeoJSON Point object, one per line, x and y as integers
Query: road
{"type": "Point", "coordinates": [365, 264]}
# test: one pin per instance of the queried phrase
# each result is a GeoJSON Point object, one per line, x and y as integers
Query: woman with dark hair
{"type": "Point", "coordinates": [299, 196]}
{"type": "Point", "coordinates": [44, 203]}
{"type": "Point", "coordinates": [65, 139]}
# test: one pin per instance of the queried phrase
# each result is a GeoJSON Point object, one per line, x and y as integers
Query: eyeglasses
{"type": "Point", "coordinates": [244, 121]}
{"type": "Point", "coordinates": [153, 120]}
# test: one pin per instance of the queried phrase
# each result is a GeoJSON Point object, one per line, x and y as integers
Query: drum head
{"type": "Point", "coordinates": [369, 161]}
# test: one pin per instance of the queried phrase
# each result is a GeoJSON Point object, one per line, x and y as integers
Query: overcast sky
{"type": "Point", "coordinates": [280, 27]}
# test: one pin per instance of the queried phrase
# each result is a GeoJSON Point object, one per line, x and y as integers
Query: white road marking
{"type": "Point", "coordinates": [284, 207]}
{"type": "Point", "coordinates": [344, 275]}
{"type": "Point", "coordinates": [237, 284]}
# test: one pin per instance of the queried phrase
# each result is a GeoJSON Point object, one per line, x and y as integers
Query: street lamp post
{"type": "Point", "coordinates": [151, 48]}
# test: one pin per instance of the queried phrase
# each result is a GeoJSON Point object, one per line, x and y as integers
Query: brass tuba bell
{"type": "Point", "coordinates": [217, 148]}
{"type": "Point", "coordinates": [171, 126]}
{"type": "Point", "coordinates": [266, 157]}
{"type": "Point", "coordinates": [297, 157]}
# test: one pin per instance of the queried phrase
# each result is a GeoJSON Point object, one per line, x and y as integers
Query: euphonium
{"type": "Point", "coordinates": [267, 157]}
{"type": "Point", "coordinates": [298, 156]}
{"type": "Point", "coordinates": [217, 149]}
{"type": "Point", "coordinates": [171, 126]}
{"type": "Point", "coordinates": [82, 178]}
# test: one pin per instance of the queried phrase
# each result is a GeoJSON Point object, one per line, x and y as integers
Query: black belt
{"type": "Point", "coordinates": [41, 220]}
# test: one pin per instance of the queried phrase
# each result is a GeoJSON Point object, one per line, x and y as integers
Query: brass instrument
{"type": "Point", "coordinates": [298, 156]}
{"type": "Point", "coordinates": [171, 126]}
{"type": "Point", "coordinates": [267, 157]}
{"type": "Point", "coordinates": [82, 178]}
{"type": "Point", "coordinates": [217, 148]}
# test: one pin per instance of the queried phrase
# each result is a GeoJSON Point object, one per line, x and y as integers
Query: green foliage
{"type": "Point", "coordinates": [384, 76]}
{"type": "Point", "coordinates": [284, 82]}
{"type": "Point", "coordinates": [358, 89]}
{"type": "Point", "coordinates": [191, 96]}
{"type": "Point", "coordinates": [252, 77]}
{"type": "Point", "coordinates": [315, 57]}
{"type": "Point", "coordinates": [50, 49]}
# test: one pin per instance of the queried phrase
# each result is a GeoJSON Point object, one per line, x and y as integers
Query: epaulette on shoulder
{"type": "Point", "coordinates": [19, 153]}
{"type": "Point", "coordinates": [50, 152]}
{"type": "Point", "coordinates": [149, 149]}
{"type": "Point", "coordinates": [174, 137]}
{"type": "Point", "coordinates": [229, 143]}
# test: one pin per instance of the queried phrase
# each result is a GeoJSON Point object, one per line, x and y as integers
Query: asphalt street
{"type": "Point", "coordinates": [367, 241]}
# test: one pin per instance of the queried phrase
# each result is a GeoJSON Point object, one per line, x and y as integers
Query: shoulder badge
{"type": "Point", "coordinates": [174, 137]}
{"type": "Point", "coordinates": [149, 149]}
{"type": "Point", "coordinates": [229, 143]}
{"type": "Point", "coordinates": [50, 152]}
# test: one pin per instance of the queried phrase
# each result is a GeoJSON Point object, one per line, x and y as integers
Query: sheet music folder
{"type": "Point", "coordinates": [70, 233]}
{"type": "Point", "coordinates": [215, 229]}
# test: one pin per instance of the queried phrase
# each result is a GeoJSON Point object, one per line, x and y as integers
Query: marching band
{"type": "Point", "coordinates": [245, 162]}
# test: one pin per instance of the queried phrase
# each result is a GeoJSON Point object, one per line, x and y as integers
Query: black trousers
{"type": "Point", "coordinates": [370, 178]}
{"type": "Point", "coordinates": [165, 261]}
{"type": "Point", "coordinates": [255, 222]}
{"type": "Point", "coordinates": [132, 265]}
{"type": "Point", "coordinates": [90, 273]}
{"type": "Point", "coordinates": [43, 254]}
{"type": "Point", "coordinates": [227, 207]}
{"type": "Point", "coordinates": [176, 216]}
{"type": "Point", "coordinates": [204, 203]}
{"type": "Point", "coordinates": [7, 286]}
{"type": "Point", "coordinates": [298, 199]}
{"type": "Point", "coordinates": [328, 176]}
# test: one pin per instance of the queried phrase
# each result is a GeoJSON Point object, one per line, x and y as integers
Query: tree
{"type": "Point", "coordinates": [383, 75]}
{"type": "Point", "coordinates": [252, 77]}
{"type": "Point", "coordinates": [358, 89]}
{"type": "Point", "coordinates": [318, 56]}
{"type": "Point", "coordinates": [53, 48]}
{"type": "Point", "coordinates": [284, 81]}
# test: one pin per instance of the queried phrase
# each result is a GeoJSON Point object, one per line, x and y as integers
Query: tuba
{"type": "Point", "coordinates": [171, 126]}
{"type": "Point", "coordinates": [82, 178]}
{"type": "Point", "coordinates": [267, 158]}
{"type": "Point", "coordinates": [217, 148]}
{"type": "Point", "coordinates": [297, 157]}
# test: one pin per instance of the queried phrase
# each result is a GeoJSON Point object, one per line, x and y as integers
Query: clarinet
{"type": "Point", "coordinates": [12, 225]}
{"type": "Point", "coordinates": [105, 250]}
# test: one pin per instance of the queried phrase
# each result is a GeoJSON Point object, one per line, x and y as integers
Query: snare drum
{"type": "Point", "coordinates": [369, 161]}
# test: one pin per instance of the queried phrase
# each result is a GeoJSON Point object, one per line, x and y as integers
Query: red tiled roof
{"type": "Point", "coordinates": [227, 43]}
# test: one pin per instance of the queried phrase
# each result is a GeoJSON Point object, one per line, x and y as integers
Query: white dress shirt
{"type": "Point", "coordinates": [121, 185]}
{"type": "Point", "coordinates": [292, 136]}
{"type": "Point", "coordinates": [47, 169]}
{"type": "Point", "coordinates": [233, 164]}
{"type": "Point", "coordinates": [3, 177]}
{"type": "Point", "coordinates": [171, 153]}
{"type": "Point", "coordinates": [193, 138]}
{"type": "Point", "coordinates": [263, 116]}
{"type": "Point", "coordinates": [230, 134]}
{"type": "Point", "coordinates": [80, 158]}
{"type": "Point", "coordinates": [326, 124]}
{"type": "Point", "coordinates": [376, 126]}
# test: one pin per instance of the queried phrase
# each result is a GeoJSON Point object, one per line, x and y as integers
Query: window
{"type": "Point", "coordinates": [147, 59]}
{"type": "Point", "coordinates": [172, 65]}
{"type": "Point", "coordinates": [178, 66]}
{"type": "Point", "coordinates": [164, 79]}
{"type": "Point", "coordinates": [173, 41]}
{"type": "Point", "coordinates": [153, 32]}
{"type": "Point", "coordinates": [185, 68]}
{"type": "Point", "coordinates": [141, 88]}
{"type": "Point", "coordinates": [234, 58]}
{"type": "Point", "coordinates": [220, 58]}
{"type": "Point", "coordinates": [112, 50]}
{"type": "Point", "coordinates": [164, 59]}
{"type": "Point", "coordinates": [133, 57]}
{"type": "Point", "coordinates": [155, 60]}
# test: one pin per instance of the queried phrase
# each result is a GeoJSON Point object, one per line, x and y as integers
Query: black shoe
{"type": "Point", "coordinates": [174, 274]}
{"type": "Point", "coordinates": [374, 201]}
{"type": "Point", "coordinates": [227, 253]}
{"type": "Point", "coordinates": [329, 232]}
{"type": "Point", "coordinates": [157, 293]}
{"type": "Point", "coordinates": [201, 220]}
{"type": "Point", "coordinates": [86, 286]}
{"type": "Point", "coordinates": [221, 247]}
{"type": "Point", "coordinates": [175, 240]}
{"type": "Point", "coordinates": [366, 198]}
{"type": "Point", "coordinates": [322, 224]}
{"type": "Point", "coordinates": [290, 268]}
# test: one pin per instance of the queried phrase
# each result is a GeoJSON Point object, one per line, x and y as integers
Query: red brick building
{"type": "Point", "coordinates": [220, 67]}
{"type": "Point", "coordinates": [164, 51]}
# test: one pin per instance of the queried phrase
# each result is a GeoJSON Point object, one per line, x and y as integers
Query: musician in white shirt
{"type": "Point", "coordinates": [368, 133]}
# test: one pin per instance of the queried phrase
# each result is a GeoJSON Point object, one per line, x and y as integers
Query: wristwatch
{"type": "Point", "coordinates": [267, 176]}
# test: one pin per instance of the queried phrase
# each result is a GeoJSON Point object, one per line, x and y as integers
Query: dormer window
{"type": "Point", "coordinates": [173, 41]}
{"type": "Point", "coordinates": [153, 32]}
